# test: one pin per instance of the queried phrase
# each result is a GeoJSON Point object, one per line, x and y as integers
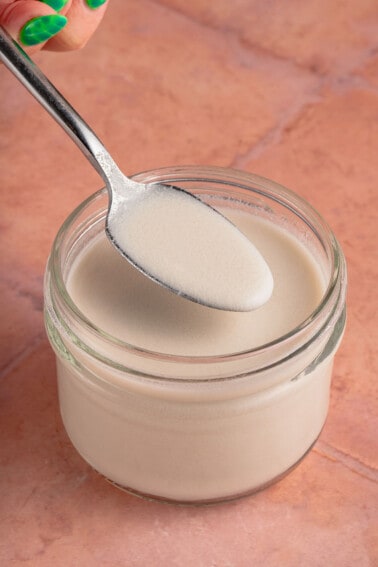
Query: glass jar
{"type": "Point", "coordinates": [196, 429]}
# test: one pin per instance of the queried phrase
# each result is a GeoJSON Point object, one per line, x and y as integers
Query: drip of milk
{"type": "Point", "coordinates": [194, 250]}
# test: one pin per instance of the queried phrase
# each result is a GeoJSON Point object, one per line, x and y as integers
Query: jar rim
{"type": "Point", "coordinates": [229, 176]}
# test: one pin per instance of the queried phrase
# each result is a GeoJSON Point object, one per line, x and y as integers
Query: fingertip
{"type": "Point", "coordinates": [31, 23]}
{"type": "Point", "coordinates": [81, 25]}
{"type": "Point", "coordinates": [39, 30]}
{"type": "Point", "coordinates": [94, 4]}
{"type": "Point", "coordinates": [57, 5]}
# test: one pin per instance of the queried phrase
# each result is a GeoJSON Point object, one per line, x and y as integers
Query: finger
{"type": "Point", "coordinates": [82, 23]}
{"type": "Point", "coordinates": [31, 22]}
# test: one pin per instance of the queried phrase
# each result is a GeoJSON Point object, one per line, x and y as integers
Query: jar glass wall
{"type": "Point", "coordinates": [196, 428]}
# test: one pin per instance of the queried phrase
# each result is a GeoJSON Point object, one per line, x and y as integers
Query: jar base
{"type": "Point", "coordinates": [209, 501]}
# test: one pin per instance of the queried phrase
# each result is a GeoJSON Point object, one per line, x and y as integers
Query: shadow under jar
{"type": "Point", "coordinates": [176, 401]}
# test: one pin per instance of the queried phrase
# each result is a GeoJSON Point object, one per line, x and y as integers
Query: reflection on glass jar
{"type": "Point", "coordinates": [176, 401]}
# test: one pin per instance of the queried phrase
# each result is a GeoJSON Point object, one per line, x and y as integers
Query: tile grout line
{"type": "Point", "coordinates": [244, 44]}
{"type": "Point", "coordinates": [23, 355]}
{"type": "Point", "coordinates": [352, 463]}
{"type": "Point", "coordinates": [336, 82]}
{"type": "Point", "coordinates": [274, 135]}
{"type": "Point", "coordinates": [366, 55]}
{"type": "Point", "coordinates": [291, 116]}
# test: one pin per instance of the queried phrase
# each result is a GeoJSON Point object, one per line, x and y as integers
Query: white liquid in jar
{"type": "Point", "coordinates": [207, 441]}
{"type": "Point", "coordinates": [118, 299]}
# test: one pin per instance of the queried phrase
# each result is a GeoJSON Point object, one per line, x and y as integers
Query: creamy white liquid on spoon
{"type": "Point", "coordinates": [193, 249]}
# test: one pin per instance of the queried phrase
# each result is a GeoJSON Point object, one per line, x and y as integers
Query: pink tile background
{"type": "Point", "coordinates": [288, 90]}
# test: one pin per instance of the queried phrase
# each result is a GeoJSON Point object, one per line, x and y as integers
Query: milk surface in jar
{"type": "Point", "coordinates": [124, 303]}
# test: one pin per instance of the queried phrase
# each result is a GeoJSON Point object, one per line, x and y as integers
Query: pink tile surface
{"type": "Point", "coordinates": [288, 90]}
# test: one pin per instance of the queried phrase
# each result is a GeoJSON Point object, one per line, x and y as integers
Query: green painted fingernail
{"type": "Point", "coordinates": [95, 3]}
{"type": "Point", "coordinates": [56, 4]}
{"type": "Point", "coordinates": [41, 29]}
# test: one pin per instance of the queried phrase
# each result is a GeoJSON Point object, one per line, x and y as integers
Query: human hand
{"type": "Point", "coordinates": [56, 25]}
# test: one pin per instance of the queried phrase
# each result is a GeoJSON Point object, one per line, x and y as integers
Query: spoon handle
{"type": "Point", "coordinates": [19, 63]}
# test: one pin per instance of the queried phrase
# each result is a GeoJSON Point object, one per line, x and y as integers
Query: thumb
{"type": "Point", "coordinates": [30, 22]}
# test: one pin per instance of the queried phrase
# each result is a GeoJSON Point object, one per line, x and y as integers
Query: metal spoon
{"type": "Point", "coordinates": [243, 288]}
